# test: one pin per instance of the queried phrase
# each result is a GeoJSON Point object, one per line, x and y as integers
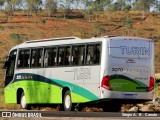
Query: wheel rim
{"type": "Point", "coordinates": [67, 101]}
{"type": "Point", "coordinates": [23, 101]}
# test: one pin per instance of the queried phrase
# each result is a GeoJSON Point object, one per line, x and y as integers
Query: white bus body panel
{"type": "Point", "coordinates": [130, 60]}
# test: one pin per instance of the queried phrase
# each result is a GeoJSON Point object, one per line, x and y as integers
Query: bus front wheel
{"type": "Point", "coordinates": [23, 103]}
{"type": "Point", "coordinates": [67, 101]}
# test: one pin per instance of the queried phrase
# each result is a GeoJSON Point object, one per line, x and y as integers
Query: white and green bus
{"type": "Point", "coordinates": [71, 70]}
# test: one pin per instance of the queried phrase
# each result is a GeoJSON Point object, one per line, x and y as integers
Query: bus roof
{"type": "Point", "coordinates": [52, 39]}
{"type": "Point", "coordinates": [55, 41]}
{"type": "Point", "coordinates": [68, 40]}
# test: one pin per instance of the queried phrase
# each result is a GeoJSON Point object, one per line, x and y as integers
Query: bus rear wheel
{"type": "Point", "coordinates": [67, 101]}
{"type": "Point", "coordinates": [23, 103]}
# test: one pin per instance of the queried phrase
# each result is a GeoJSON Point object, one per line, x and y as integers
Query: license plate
{"type": "Point", "coordinates": [129, 95]}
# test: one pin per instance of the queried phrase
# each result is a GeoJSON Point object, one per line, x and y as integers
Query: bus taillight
{"type": "Point", "coordinates": [151, 84]}
{"type": "Point", "coordinates": [105, 82]}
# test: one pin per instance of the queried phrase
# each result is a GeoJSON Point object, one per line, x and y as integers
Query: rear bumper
{"type": "Point", "coordinates": [107, 94]}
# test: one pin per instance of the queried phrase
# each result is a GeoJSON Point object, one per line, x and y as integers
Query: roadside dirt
{"type": "Point", "coordinates": [151, 106]}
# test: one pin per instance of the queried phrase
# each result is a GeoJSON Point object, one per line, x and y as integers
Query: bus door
{"type": "Point", "coordinates": [10, 67]}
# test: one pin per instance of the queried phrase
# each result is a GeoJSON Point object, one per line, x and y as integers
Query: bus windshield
{"type": "Point", "coordinates": [9, 66]}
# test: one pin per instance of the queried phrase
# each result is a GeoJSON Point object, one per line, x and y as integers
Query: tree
{"type": "Point", "coordinates": [96, 7]}
{"type": "Point", "coordinates": [101, 5]}
{"type": "Point", "coordinates": [51, 7]}
{"type": "Point", "coordinates": [66, 7]}
{"type": "Point", "coordinates": [93, 7]}
{"type": "Point", "coordinates": [34, 5]}
{"type": "Point", "coordinates": [14, 3]}
{"type": "Point", "coordinates": [99, 29]}
{"type": "Point", "coordinates": [157, 6]}
{"type": "Point", "coordinates": [2, 3]}
{"type": "Point", "coordinates": [144, 5]}
{"type": "Point", "coordinates": [11, 6]}
{"type": "Point", "coordinates": [86, 3]}
{"type": "Point", "coordinates": [119, 5]}
{"type": "Point", "coordinates": [128, 25]}
{"type": "Point", "coordinates": [87, 11]}
{"type": "Point", "coordinates": [77, 3]}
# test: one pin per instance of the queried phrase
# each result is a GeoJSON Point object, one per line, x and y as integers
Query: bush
{"type": "Point", "coordinates": [2, 27]}
{"type": "Point", "coordinates": [15, 37]}
{"type": "Point", "coordinates": [98, 28]}
{"type": "Point", "coordinates": [43, 21]}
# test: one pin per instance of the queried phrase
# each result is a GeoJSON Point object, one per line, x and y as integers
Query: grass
{"type": "Point", "coordinates": [157, 86]}
{"type": "Point", "coordinates": [2, 100]}
{"type": "Point", "coordinates": [157, 90]}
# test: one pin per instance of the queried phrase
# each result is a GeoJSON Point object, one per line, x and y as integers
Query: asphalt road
{"type": "Point", "coordinates": [81, 118]}
{"type": "Point", "coordinates": [51, 115]}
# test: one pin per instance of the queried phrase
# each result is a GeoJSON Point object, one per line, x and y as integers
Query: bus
{"type": "Point", "coordinates": [71, 70]}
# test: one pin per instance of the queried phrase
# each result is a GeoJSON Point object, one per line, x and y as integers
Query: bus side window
{"type": "Point", "coordinates": [82, 55]}
{"type": "Point", "coordinates": [75, 55]}
{"type": "Point", "coordinates": [53, 58]}
{"type": "Point", "coordinates": [67, 55]}
{"type": "Point", "coordinates": [78, 53]}
{"type": "Point", "coordinates": [36, 57]}
{"type": "Point", "coordinates": [93, 54]}
{"type": "Point", "coordinates": [50, 57]}
{"type": "Point", "coordinates": [20, 59]}
{"type": "Point", "coordinates": [23, 59]}
{"type": "Point", "coordinates": [46, 57]}
{"type": "Point", "coordinates": [64, 55]}
{"type": "Point", "coordinates": [26, 58]}
{"type": "Point", "coordinates": [97, 54]}
{"type": "Point", "coordinates": [61, 56]}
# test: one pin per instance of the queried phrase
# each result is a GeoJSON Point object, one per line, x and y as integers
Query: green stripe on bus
{"type": "Point", "coordinates": [46, 92]}
{"type": "Point", "coordinates": [126, 84]}
{"type": "Point", "coordinates": [77, 89]}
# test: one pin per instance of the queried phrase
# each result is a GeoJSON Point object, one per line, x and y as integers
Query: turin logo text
{"type": "Point", "coordinates": [134, 50]}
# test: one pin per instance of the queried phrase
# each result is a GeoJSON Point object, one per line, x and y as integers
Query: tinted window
{"type": "Point", "coordinates": [36, 57]}
{"type": "Point", "coordinates": [23, 59]}
{"type": "Point", "coordinates": [64, 55]}
{"type": "Point", "coordinates": [93, 54]}
{"type": "Point", "coordinates": [10, 65]}
{"type": "Point", "coordinates": [78, 54]}
{"type": "Point", "coordinates": [50, 57]}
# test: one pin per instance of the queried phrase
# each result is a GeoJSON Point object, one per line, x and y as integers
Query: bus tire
{"type": "Point", "coordinates": [23, 103]}
{"type": "Point", "coordinates": [67, 101]}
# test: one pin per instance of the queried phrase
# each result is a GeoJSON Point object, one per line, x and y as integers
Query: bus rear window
{"type": "Point", "coordinates": [130, 49]}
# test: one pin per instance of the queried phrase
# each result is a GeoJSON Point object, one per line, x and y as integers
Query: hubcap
{"type": "Point", "coordinates": [67, 101]}
{"type": "Point", "coordinates": [23, 102]}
